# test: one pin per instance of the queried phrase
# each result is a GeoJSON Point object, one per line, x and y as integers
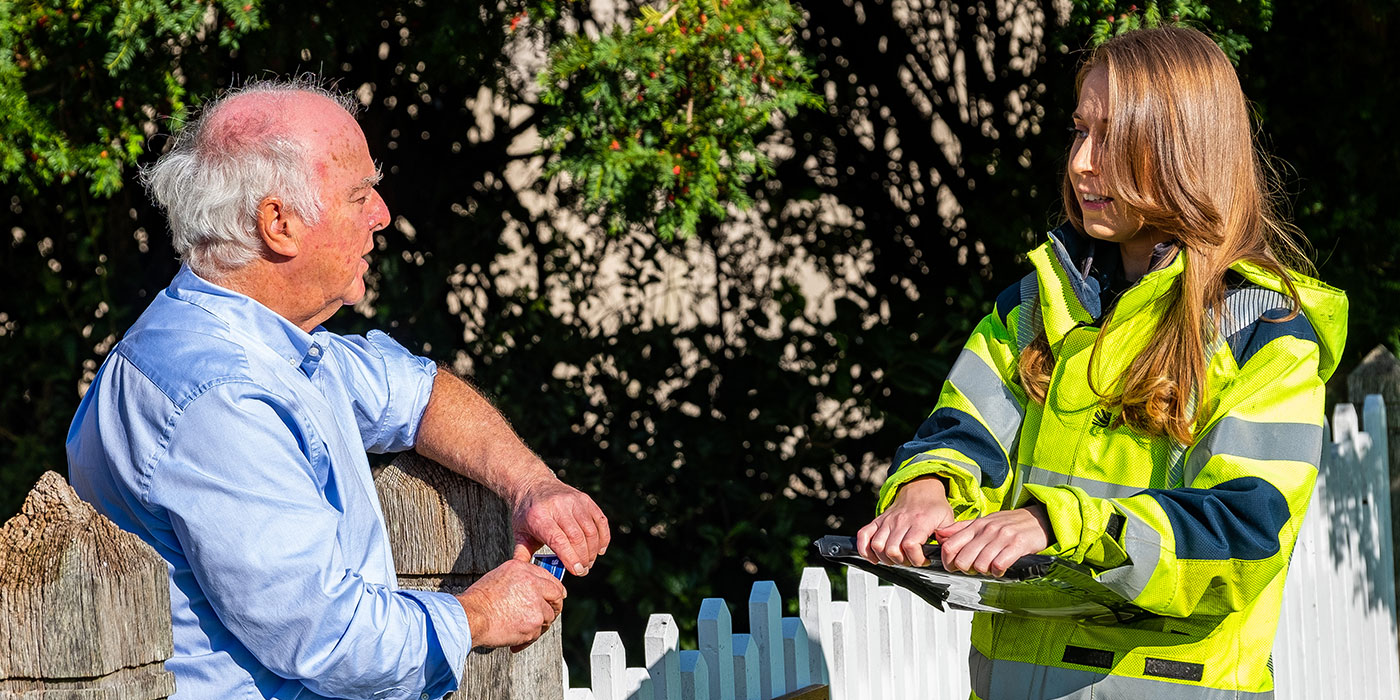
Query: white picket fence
{"type": "Point", "coordinates": [1337, 634]}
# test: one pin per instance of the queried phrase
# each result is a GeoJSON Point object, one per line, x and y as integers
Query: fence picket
{"type": "Point", "coordinates": [662, 641]}
{"type": "Point", "coordinates": [796, 668]}
{"type": "Point", "coordinates": [888, 666]}
{"type": "Point", "coordinates": [606, 664]}
{"type": "Point", "coordinates": [814, 605]}
{"type": "Point", "coordinates": [695, 677]}
{"type": "Point", "coordinates": [844, 652]}
{"type": "Point", "coordinates": [715, 635]}
{"type": "Point", "coordinates": [765, 607]}
{"type": "Point", "coordinates": [746, 683]}
{"type": "Point", "coordinates": [638, 685]}
{"type": "Point", "coordinates": [866, 683]}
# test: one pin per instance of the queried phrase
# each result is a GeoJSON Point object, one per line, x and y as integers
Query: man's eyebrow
{"type": "Point", "coordinates": [371, 181]}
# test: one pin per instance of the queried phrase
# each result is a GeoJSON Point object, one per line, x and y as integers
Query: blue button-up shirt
{"type": "Point", "coordinates": [234, 443]}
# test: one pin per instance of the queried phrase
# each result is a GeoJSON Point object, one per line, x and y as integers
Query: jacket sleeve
{"type": "Point", "coordinates": [1213, 545]}
{"type": "Point", "coordinates": [970, 438]}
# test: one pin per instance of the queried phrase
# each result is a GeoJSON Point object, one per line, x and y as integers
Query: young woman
{"type": "Point", "coordinates": [1147, 402]}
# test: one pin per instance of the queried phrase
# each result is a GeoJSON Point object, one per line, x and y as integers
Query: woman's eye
{"type": "Point", "coordinates": [1078, 132]}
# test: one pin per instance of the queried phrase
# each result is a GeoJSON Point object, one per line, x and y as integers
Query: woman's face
{"type": "Point", "coordinates": [1104, 216]}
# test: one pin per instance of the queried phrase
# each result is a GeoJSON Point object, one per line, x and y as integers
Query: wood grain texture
{"type": "Point", "coordinates": [811, 692]}
{"type": "Point", "coordinates": [446, 531]}
{"type": "Point", "coordinates": [84, 606]}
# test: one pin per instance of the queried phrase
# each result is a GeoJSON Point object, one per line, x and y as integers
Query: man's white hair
{"type": "Point", "coordinates": [214, 175]}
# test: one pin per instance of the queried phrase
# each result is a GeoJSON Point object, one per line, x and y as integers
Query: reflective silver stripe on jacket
{"type": "Point", "coordinates": [1095, 488]}
{"type": "Point", "coordinates": [1000, 411]}
{"type": "Point", "coordinates": [1143, 545]}
{"type": "Point", "coordinates": [1028, 321]}
{"type": "Point", "coordinates": [1262, 441]}
{"type": "Point", "coordinates": [998, 679]}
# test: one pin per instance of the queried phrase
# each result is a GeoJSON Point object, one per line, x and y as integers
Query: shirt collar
{"type": "Point", "coordinates": [248, 317]}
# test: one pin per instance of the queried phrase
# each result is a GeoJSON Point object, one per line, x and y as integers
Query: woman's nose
{"type": "Point", "coordinates": [1081, 161]}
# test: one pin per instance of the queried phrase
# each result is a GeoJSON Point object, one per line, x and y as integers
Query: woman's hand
{"type": "Point", "coordinates": [897, 536]}
{"type": "Point", "coordinates": [992, 543]}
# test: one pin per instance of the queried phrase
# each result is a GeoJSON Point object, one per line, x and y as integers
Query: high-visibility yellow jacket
{"type": "Point", "coordinates": [1200, 534]}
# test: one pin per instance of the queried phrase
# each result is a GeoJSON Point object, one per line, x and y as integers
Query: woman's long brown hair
{"type": "Point", "coordinates": [1179, 151]}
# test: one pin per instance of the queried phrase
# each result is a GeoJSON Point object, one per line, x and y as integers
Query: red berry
{"type": "Point", "coordinates": [639, 98]}
{"type": "Point", "coordinates": [652, 74]}
{"type": "Point", "coordinates": [673, 52]}
{"type": "Point", "coordinates": [1110, 19]}
{"type": "Point", "coordinates": [43, 20]}
{"type": "Point", "coordinates": [670, 197]}
{"type": "Point", "coordinates": [247, 8]}
{"type": "Point", "coordinates": [119, 103]}
{"type": "Point", "coordinates": [674, 171]}
{"type": "Point", "coordinates": [650, 29]}
{"type": "Point", "coordinates": [614, 145]}
{"type": "Point", "coordinates": [102, 154]}
{"type": "Point", "coordinates": [739, 28]}
{"type": "Point", "coordinates": [703, 18]}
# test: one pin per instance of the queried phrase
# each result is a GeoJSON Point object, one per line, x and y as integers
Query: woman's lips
{"type": "Point", "coordinates": [1097, 204]}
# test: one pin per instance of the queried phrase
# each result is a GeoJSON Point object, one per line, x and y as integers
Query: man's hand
{"type": "Point", "coordinates": [992, 543]}
{"type": "Point", "coordinates": [548, 511]}
{"type": "Point", "coordinates": [897, 536]}
{"type": "Point", "coordinates": [513, 604]}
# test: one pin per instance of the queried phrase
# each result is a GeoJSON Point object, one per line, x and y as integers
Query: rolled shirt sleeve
{"type": "Point", "coordinates": [388, 387]}
{"type": "Point", "coordinates": [248, 492]}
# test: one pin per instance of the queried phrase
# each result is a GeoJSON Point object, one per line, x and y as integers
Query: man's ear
{"type": "Point", "coordinates": [278, 227]}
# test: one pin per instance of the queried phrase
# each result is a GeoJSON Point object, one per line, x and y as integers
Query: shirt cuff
{"type": "Point", "coordinates": [448, 627]}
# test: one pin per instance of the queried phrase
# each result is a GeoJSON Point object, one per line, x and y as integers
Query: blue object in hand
{"type": "Point", "coordinates": [547, 559]}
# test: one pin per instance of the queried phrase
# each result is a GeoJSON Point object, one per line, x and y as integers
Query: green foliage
{"type": "Point", "coordinates": [78, 80]}
{"type": "Point", "coordinates": [662, 123]}
{"type": "Point", "coordinates": [1230, 24]}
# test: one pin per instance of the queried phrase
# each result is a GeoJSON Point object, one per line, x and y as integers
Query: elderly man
{"type": "Point", "coordinates": [229, 429]}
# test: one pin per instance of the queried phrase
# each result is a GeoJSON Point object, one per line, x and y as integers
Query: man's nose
{"type": "Point", "coordinates": [379, 213]}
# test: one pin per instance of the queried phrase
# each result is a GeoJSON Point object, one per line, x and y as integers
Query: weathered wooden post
{"type": "Point", "coordinates": [446, 531]}
{"type": "Point", "coordinates": [84, 606]}
{"type": "Point", "coordinates": [1379, 373]}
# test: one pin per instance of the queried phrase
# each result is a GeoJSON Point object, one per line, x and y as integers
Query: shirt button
{"type": "Point", "coordinates": [315, 351]}
{"type": "Point", "coordinates": [424, 696]}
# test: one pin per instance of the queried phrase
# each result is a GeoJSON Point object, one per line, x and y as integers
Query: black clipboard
{"type": "Point", "coordinates": [1035, 586]}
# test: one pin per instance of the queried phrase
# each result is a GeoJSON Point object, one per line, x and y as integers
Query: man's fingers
{"type": "Point", "coordinates": [570, 548]}
{"type": "Point", "coordinates": [522, 552]}
{"type": "Point", "coordinates": [605, 535]}
{"type": "Point", "coordinates": [591, 537]}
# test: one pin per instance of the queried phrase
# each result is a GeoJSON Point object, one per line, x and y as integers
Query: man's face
{"type": "Point", "coordinates": [335, 249]}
